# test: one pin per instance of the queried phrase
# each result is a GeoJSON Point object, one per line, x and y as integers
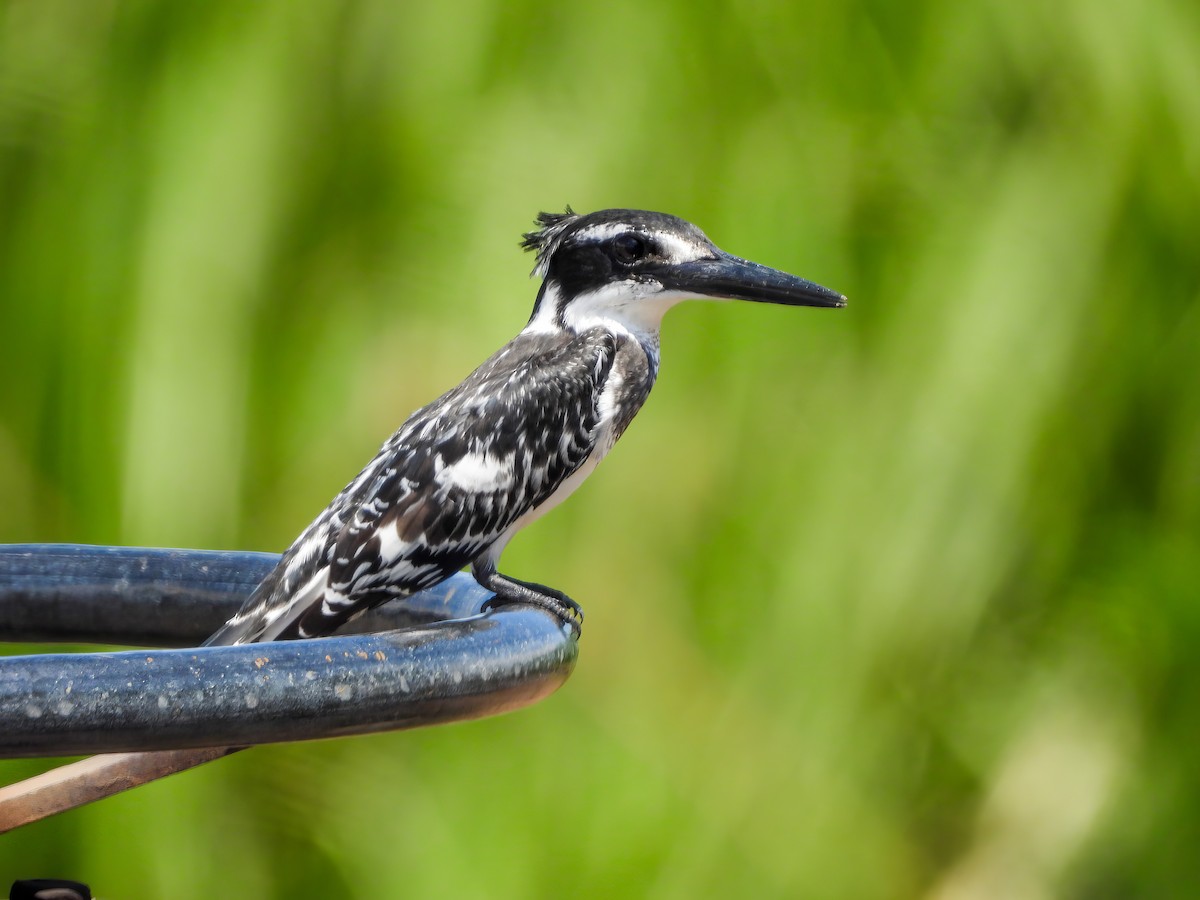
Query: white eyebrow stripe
{"type": "Point", "coordinates": [674, 247]}
{"type": "Point", "coordinates": [678, 249]}
{"type": "Point", "coordinates": [605, 231]}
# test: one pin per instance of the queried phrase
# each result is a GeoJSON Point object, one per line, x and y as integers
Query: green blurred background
{"type": "Point", "coordinates": [897, 601]}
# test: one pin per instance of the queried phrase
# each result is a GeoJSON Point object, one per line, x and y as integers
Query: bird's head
{"type": "Point", "coordinates": [627, 267]}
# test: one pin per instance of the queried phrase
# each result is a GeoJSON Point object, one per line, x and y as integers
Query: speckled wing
{"type": "Point", "coordinates": [442, 489]}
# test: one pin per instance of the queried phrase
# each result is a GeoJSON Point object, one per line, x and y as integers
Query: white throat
{"type": "Point", "coordinates": [636, 309]}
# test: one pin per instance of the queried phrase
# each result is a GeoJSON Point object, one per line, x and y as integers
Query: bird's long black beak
{"type": "Point", "coordinates": [731, 277]}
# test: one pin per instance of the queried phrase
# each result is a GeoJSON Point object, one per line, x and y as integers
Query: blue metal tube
{"type": "Point", "coordinates": [140, 596]}
{"type": "Point", "coordinates": [62, 704]}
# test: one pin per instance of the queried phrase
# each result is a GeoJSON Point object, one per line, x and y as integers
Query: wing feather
{"type": "Point", "coordinates": [441, 490]}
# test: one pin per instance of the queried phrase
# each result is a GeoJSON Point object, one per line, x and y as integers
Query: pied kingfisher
{"type": "Point", "coordinates": [464, 474]}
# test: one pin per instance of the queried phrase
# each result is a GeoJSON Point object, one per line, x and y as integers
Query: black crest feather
{"type": "Point", "coordinates": [547, 236]}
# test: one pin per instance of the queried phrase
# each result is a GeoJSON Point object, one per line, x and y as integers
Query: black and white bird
{"type": "Point", "coordinates": [464, 474]}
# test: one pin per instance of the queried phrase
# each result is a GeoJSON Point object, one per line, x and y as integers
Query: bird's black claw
{"type": "Point", "coordinates": [567, 610]}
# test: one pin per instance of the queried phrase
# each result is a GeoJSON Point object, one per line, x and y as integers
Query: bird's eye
{"type": "Point", "coordinates": [629, 248]}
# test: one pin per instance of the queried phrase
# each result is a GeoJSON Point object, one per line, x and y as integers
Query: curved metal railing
{"type": "Point", "coordinates": [430, 659]}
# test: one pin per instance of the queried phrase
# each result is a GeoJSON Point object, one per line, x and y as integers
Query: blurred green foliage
{"type": "Point", "coordinates": [897, 601]}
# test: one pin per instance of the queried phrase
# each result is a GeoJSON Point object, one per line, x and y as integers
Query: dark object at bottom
{"type": "Point", "coordinates": [49, 889]}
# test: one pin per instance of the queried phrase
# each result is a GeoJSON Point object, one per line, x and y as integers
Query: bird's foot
{"type": "Point", "coordinates": [511, 591]}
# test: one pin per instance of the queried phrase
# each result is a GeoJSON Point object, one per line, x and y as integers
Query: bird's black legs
{"type": "Point", "coordinates": [511, 590]}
